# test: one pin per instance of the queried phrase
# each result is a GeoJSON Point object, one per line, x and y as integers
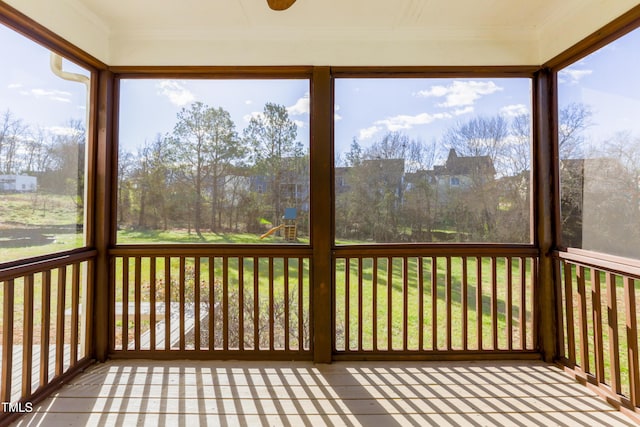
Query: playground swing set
{"type": "Point", "coordinates": [288, 226]}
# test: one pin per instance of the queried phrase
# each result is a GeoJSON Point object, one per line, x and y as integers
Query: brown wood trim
{"type": "Point", "coordinates": [439, 355]}
{"type": "Point", "coordinates": [46, 327]}
{"type": "Point", "coordinates": [263, 355]}
{"type": "Point", "coordinates": [27, 337]}
{"type": "Point", "coordinates": [36, 32]}
{"type": "Point", "coordinates": [48, 262]}
{"type": "Point", "coordinates": [544, 207]}
{"type": "Point", "coordinates": [434, 71]}
{"type": "Point", "coordinates": [102, 321]}
{"type": "Point", "coordinates": [275, 251]}
{"type": "Point", "coordinates": [213, 72]}
{"type": "Point", "coordinates": [437, 249]}
{"type": "Point", "coordinates": [7, 340]}
{"type": "Point", "coordinates": [605, 35]}
{"type": "Point", "coordinates": [322, 222]}
{"type": "Point", "coordinates": [601, 262]}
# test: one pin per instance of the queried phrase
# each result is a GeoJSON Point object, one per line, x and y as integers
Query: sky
{"type": "Point", "coordinates": [366, 109]}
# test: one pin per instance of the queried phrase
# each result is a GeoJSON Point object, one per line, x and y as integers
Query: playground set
{"type": "Point", "coordinates": [288, 226]}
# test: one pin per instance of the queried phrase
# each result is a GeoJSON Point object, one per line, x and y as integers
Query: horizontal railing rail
{"type": "Point", "coordinates": [420, 301]}
{"type": "Point", "coordinates": [598, 298]}
{"type": "Point", "coordinates": [210, 303]}
{"type": "Point", "coordinates": [45, 324]}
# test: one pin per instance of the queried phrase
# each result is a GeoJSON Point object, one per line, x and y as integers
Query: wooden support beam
{"type": "Point", "coordinates": [322, 212]}
{"type": "Point", "coordinates": [545, 207]}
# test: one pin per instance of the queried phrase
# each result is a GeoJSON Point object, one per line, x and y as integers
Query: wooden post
{"type": "Point", "coordinates": [322, 212]}
{"type": "Point", "coordinates": [103, 214]}
{"type": "Point", "coordinates": [545, 210]}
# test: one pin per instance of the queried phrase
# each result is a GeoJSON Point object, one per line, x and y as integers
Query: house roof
{"type": "Point", "coordinates": [324, 32]}
{"type": "Point", "coordinates": [457, 165]}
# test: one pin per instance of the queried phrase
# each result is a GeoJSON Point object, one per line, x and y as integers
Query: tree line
{"type": "Point", "coordinates": [205, 176]}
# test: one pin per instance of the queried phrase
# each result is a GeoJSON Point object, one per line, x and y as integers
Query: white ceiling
{"type": "Point", "coordinates": [324, 32]}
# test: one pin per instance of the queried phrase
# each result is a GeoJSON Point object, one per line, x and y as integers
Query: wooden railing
{"type": "Point", "coordinates": [438, 301]}
{"type": "Point", "coordinates": [211, 303]}
{"type": "Point", "coordinates": [597, 304]}
{"type": "Point", "coordinates": [45, 324]}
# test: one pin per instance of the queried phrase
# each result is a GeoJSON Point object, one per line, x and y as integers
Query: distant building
{"type": "Point", "coordinates": [18, 183]}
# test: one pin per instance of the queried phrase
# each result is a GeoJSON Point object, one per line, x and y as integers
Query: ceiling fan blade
{"type": "Point", "coordinates": [280, 4]}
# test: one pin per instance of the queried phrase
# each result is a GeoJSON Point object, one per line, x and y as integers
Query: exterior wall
{"type": "Point", "coordinates": [18, 183]}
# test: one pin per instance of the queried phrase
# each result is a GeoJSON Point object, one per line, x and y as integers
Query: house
{"type": "Point", "coordinates": [18, 184]}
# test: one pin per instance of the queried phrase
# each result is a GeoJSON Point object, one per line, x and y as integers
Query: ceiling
{"type": "Point", "coordinates": [324, 32]}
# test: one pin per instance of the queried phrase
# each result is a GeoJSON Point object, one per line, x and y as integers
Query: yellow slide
{"type": "Point", "coordinates": [270, 232]}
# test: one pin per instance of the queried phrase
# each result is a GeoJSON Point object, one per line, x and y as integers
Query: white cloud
{"type": "Point", "coordinates": [53, 95]}
{"type": "Point", "coordinates": [337, 117]}
{"type": "Point", "coordinates": [367, 133]}
{"type": "Point", "coordinates": [404, 121]}
{"type": "Point", "coordinates": [14, 85]}
{"type": "Point", "coordinates": [514, 110]}
{"type": "Point", "coordinates": [176, 92]}
{"type": "Point", "coordinates": [460, 93]}
{"type": "Point", "coordinates": [572, 76]}
{"type": "Point", "coordinates": [299, 123]}
{"type": "Point", "coordinates": [300, 107]}
{"type": "Point", "coordinates": [248, 102]}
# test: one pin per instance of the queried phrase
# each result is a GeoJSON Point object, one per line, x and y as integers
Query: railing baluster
{"type": "Point", "coordinates": [374, 291]}
{"type": "Point", "coordinates": [360, 305]}
{"type": "Point", "coordinates": [46, 328]}
{"type": "Point", "coordinates": [212, 303]}
{"type": "Point", "coordinates": [465, 304]}
{"type": "Point", "coordinates": [167, 303]}
{"type": "Point", "coordinates": [286, 303]}
{"type": "Point", "coordinates": [241, 302]}
{"type": "Point", "coordinates": [301, 337]}
{"type": "Point", "coordinates": [434, 303]}
{"type": "Point", "coordinates": [60, 320]}
{"type": "Point", "coordinates": [389, 304]}
{"type": "Point", "coordinates": [27, 339]}
{"type": "Point", "coordinates": [523, 303]}
{"type": "Point", "coordinates": [614, 356]}
{"type": "Point", "coordinates": [479, 301]}
{"type": "Point", "coordinates": [568, 292]}
{"type": "Point", "coordinates": [256, 304]}
{"type": "Point", "coordinates": [582, 319]}
{"type": "Point", "coordinates": [347, 320]}
{"type": "Point", "coordinates": [509, 309]}
{"type": "Point", "coordinates": [7, 340]}
{"type": "Point", "coordinates": [182, 300]}
{"type": "Point", "coordinates": [137, 297]}
{"type": "Point", "coordinates": [494, 303]}
{"type": "Point", "coordinates": [598, 344]}
{"type": "Point", "coordinates": [448, 303]}
{"type": "Point", "coordinates": [271, 306]}
{"type": "Point", "coordinates": [405, 303]}
{"type": "Point", "coordinates": [152, 303]}
{"type": "Point", "coordinates": [125, 303]}
{"type": "Point", "coordinates": [560, 304]}
{"type": "Point", "coordinates": [632, 340]}
{"type": "Point", "coordinates": [75, 302]}
{"type": "Point", "coordinates": [196, 303]}
{"type": "Point", "coordinates": [420, 303]}
{"type": "Point", "coordinates": [225, 303]}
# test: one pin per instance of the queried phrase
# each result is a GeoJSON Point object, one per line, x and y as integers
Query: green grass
{"type": "Point", "coordinates": [183, 236]}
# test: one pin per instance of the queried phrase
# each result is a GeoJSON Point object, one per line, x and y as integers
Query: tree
{"type": "Point", "coordinates": [276, 154]}
{"type": "Point", "coordinates": [202, 137]}
{"type": "Point", "coordinates": [574, 118]}
{"type": "Point", "coordinates": [12, 132]}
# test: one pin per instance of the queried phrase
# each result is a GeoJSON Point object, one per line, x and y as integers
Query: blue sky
{"type": "Point", "coordinates": [365, 108]}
